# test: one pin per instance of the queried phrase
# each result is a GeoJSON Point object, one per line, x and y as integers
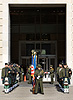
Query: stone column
{"type": "Point", "coordinates": [4, 35]}
{"type": "Point", "coordinates": [69, 45]}
{"type": "Point", "coordinates": [1, 39]}
{"type": "Point", "coordinates": [71, 40]}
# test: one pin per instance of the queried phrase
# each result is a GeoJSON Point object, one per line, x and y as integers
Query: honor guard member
{"type": "Point", "coordinates": [65, 73]}
{"type": "Point", "coordinates": [5, 73]}
{"type": "Point", "coordinates": [58, 69]}
{"type": "Point", "coordinates": [60, 74]}
{"type": "Point", "coordinates": [17, 73]}
{"type": "Point", "coordinates": [14, 72]}
{"type": "Point", "coordinates": [17, 68]}
{"type": "Point", "coordinates": [29, 75]}
{"type": "Point", "coordinates": [11, 72]}
{"type": "Point", "coordinates": [39, 73]}
{"type": "Point", "coordinates": [51, 73]}
{"type": "Point", "coordinates": [21, 72]}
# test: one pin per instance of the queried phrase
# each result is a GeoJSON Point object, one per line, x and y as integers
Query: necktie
{"type": "Point", "coordinates": [5, 71]}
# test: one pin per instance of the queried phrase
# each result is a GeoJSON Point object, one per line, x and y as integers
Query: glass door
{"type": "Point", "coordinates": [47, 55]}
{"type": "Point", "coordinates": [29, 48]}
{"type": "Point", "coordinates": [53, 62]}
{"type": "Point", "coordinates": [42, 61]}
{"type": "Point", "coordinates": [46, 62]}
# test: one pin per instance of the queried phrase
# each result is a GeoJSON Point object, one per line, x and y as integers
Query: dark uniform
{"type": "Point", "coordinates": [29, 75]}
{"type": "Point", "coordinates": [21, 73]}
{"type": "Point", "coordinates": [51, 73]}
{"type": "Point", "coordinates": [65, 74]}
{"type": "Point", "coordinates": [60, 76]}
{"type": "Point", "coordinates": [14, 73]}
{"type": "Point", "coordinates": [59, 72]}
{"type": "Point", "coordinates": [6, 73]}
{"type": "Point", "coordinates": [11, 74]}
{"type": "Point", "coordinates": [17, 70]}
{"type": "Point", "coordinates": [39, 73]}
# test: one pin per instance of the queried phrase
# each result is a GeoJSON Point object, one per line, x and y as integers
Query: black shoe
{"type": "Point", "coordinates": [42, 93]}
{"type": "Point", "coordinates": [67, 92]}
{"type": "Point", "coordinates": [3, 91]}
{"type": "Point", "coordinates": [29, 83]}
{"type": "Point", "coordinates": [35, 93]}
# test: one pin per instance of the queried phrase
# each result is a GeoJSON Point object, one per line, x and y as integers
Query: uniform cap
{"type": "Point", "coordinates": [39, 66]}
{"type": "Point", "coordinates": [51, 65]}
{"type": "Point", "coordinates": [65, 63]}
{"type": "Point", "coordinates": [6, 63]}
{"type": "Point", "coordinates": [60, 63]}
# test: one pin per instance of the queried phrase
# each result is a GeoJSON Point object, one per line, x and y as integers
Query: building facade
{"type": "Point", "coordinates": [5, 27]}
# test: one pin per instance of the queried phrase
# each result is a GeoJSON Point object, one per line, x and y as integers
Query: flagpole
{"type": "Point", "coordinates": [32, 57]}
{"type": "Point", "coordinates": [36, 59]}
{"type": "Point", "coordinates": [34, 71]}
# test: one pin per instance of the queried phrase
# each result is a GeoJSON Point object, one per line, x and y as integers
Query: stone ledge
{"type": "Point", "coordinates": [1, 44]}
{"type": "Point", "coordinates": [0, 32]}
{"type": "Point", "coordinates": [1, 37]}
{"type": "Point", "coordinates": [1, 28]}
{"type": "Point", "coordinates": [1, 51]}
{"type": "Point", "coordinates": [1, 25]}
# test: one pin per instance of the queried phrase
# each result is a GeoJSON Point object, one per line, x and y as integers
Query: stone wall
{"type": "Point", "coordinates": [1, 38]}
{"type": "Point", "coordinates": [1, 34]}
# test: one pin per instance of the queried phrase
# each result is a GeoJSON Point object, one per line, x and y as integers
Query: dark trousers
{"type": "Point", "coordinates": [38, 84]}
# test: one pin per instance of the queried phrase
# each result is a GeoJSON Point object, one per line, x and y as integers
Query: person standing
{"type": "Point", "coordinates": [39, 73]}
{"type": "Point", "coordinates": [58, 71]}
{"type": "Point", "coordinates": [29, 75]}
{"type": "Point", "coordinates": [5, 73]}
{"type": "Point", "coordinates": [60, 75]}
{"type": "Point", "coordinates": [51, 73]}
{"type": "Point", "coordinates": [21, 73]}
{"type": "Point", "coordinates": [65, 73]}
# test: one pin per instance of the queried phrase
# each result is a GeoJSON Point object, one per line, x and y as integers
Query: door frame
{"type": "Point", "coordinates": [20, 57]}
{"type": "Point", "coordinates": [49, 57]}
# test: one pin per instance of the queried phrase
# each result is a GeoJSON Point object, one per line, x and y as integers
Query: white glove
{"type": "Point", "coordinates": [48, 72]}
{"type": "Point", "coordinates": [22, 73]}
{"type": "Point", "coordinates": [38, 77]}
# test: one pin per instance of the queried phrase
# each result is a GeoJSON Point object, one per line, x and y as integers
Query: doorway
{"type": "Point", "coordinates": [38, 23]}
{"type": "Point", "coordinates": [47, 53]}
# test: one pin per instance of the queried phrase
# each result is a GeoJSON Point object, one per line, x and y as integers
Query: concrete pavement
{"type": "Point", "coordinates": [51, 92]}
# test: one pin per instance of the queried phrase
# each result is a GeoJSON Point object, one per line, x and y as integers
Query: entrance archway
{"type": "Point", "coordinates": [37, 23]}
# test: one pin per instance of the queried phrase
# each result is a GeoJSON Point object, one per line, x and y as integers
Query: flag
{"type": "Point", "coordinates": [32, 70]}
{"type": "Point", "coordinates": [34, 61]}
